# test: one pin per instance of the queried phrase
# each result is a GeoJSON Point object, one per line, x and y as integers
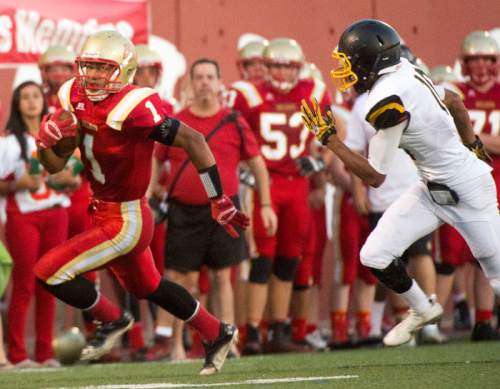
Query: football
{"type": "Point", "coordinates": [67, 145]}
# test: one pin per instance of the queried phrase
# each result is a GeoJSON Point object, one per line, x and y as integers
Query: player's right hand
{"type": "Point", "coordinates": [269, 220]}
{"type": "Point", "coordinates": [52, 129]}
{"type": "Point", "coordinates": [322, 126]}
{"type": "Point", "coordinates": [225, 213]}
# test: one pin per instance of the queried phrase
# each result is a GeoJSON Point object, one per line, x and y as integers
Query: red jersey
{"type": "Point", "coordinates": [53, 103]}
{"type": "Point", "coordinates": [228, 147]}
{"type": "Point", "coordinates": [484, 112]}
{"type": "Point", "coordinates": [115, 147]}
{"type": "Point", "coordinates": [276, 120]}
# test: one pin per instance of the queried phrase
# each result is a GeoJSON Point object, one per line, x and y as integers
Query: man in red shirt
{"type": "Point", "coordinates": [480, 60]}
{"type": "Point", "coordinates": [272, 109]}
{"type": "Point", "coordinates": [119, 124]}
{"type": "Point", "coordinates": [194, 239]}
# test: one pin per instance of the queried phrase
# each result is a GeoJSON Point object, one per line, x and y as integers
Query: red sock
{"type": "Point", "coordinates": [363, 323]}
{"type": "Point", "coordinates": [298, 329]}
{"type": "Point", "coordinates": [311, 328]}
{"type": "Point", "coordinates": [338, 321]}
{"type": "Point", "coordinates": [205, 323]}
{"type": "Point", "coordinates": [242, 329]}
{"type": "Point", "coordinates": [136, 337]}
{"type": "Point", "coordinates": [483, 314]}
{"type": "Point", "coordinates": [105, 310]}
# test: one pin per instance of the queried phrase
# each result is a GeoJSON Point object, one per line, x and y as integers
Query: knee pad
{"type": "Point", "coordinates": [373, 257]}
{"type": "Point", "coordinates": [394, 277]}
{"type": "Point", "coordinates": [260, 270]}
{"type": "Point", "coordinates": [444, 268]}
{"type": "Point", "coordinates": [495, 285]}
{"type": "Point", "coordinates": [285, 268]}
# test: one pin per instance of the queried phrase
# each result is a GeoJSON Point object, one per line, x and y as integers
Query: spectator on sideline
{"type": "Point", "coordinates": [194, 238]}
{"type": "Point", "coordinates": [37, 221]}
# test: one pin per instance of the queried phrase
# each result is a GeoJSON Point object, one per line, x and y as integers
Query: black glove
{"type": "Point", "coordinates": [246, 178]}
{"type": "Point", "coordinates": [159, 208]}
{"type": "Point", "coordinates": [310, 165]}
{"type": "Point", "coordinates": [477, 148]}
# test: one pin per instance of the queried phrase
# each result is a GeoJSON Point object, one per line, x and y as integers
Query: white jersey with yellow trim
{"type": "Point", "coordinates": [402, 173]}
{"type": "Point", "coordinates": [430, 138]}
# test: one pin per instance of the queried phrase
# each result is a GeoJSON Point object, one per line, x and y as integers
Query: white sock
{"type": "Point", "coordinates": [377, 317]}
{"type": "Point", "coordinates": [164, 331]}
{"type": "Point", "coordinates": [416, 298]}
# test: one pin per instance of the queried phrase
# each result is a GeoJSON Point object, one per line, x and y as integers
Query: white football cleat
{"type": "Point", "coordinates": [431, 334]}
{"type": "Point", "coordinates": [404, 331]}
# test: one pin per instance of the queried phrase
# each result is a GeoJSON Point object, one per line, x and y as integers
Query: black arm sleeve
{"type": "Point", "coordinates": [166, 131]}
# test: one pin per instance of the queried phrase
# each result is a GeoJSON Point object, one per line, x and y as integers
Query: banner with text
{"type": "Point", "coordinates": [29, 27]}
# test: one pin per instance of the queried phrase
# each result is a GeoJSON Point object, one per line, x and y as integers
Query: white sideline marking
{"type": "Point", "coordinates": [263, 381]}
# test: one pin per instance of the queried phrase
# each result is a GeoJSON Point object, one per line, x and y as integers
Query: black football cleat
{"type": "Point", "coordinates": [106, 336]}
{"type": "Point", "coordinates": [216, 350]}
{"type": "Point", "coordinates": [484, 331]}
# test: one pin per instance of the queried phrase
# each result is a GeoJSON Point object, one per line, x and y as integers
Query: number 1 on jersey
{"type": "Point", "coordinates": [88, 144]}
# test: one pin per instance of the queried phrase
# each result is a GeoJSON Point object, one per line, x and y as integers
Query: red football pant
{"type": "Point", "coordinates": [29, 236]}
{"type": "Point", "coordinates": [289, 201]}
{"type": "Point", "coordinates": [157, 246]}
{"type": "Point", "coordinates": [309, 270]}
{"type": "Point", "coordinates": [119, 240]}
{"type": "Point", "coordinates": [452, 248]}
{"type": "Point", "coordinates": [349, 236]}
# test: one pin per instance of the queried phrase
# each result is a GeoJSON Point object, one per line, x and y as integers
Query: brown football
{"type": "Point", "coordinates": [66, 146]}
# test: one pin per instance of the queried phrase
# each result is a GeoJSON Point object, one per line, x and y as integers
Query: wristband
{"type": "Point", "coordinates": [210, 179]}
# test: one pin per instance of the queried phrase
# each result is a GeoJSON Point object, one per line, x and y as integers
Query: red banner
{"type": "Point", "coordinates": [29, 27]}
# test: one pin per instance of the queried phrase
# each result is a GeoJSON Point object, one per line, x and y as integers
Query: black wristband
{"type": "Point", "coordinates": [166, 131]}
{"type": "Point", "coordinates": [211, 181]}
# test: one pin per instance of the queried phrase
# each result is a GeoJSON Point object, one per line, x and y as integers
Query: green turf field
{"type": "Point", "coordinates": [456, 365]}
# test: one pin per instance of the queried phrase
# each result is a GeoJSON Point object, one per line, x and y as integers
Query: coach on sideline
{"type": "Point", "coordinates": [194, 238]}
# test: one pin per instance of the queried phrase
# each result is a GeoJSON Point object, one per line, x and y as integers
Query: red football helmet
{"type": "Point", "coordinates": [480, 58]}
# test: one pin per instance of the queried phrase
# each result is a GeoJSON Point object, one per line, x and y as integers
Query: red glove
{"type": "Point", "coordinates": [226, 214]}
{"type": "Point", "coordinates": [53, 129]}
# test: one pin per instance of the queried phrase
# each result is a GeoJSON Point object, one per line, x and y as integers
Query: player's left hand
{"type": "Point", "coordinates": [309, 165]}
{"type": "Point", "coordinates": [322, 126]}
{"type": "Point", "coordinates": [477, 148]}
{"type": "Point", "coordinates": [226, 214]}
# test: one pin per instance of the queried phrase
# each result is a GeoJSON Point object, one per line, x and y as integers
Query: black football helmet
{"type": "Point", "coordinates": [365, 48]}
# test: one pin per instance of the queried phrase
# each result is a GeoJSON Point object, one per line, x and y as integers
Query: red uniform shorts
{"type": "Point", "coordinates": [289, 200]}
{"type": "Point", "coordinates": [118, 239]}
{"type": "Point", "coordinates": [350, 234]}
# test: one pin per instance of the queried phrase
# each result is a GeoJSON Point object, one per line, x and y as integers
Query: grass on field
{"type": "Point", "coordinates": [457, 365]}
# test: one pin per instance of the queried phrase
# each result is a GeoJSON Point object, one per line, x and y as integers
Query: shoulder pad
{"type": "Point", "coordinates": [126, 105]}
{"type": "Point", "coordinates": [387, 113]}
{"type": "Point", "coordinates": [64, 95]}
{"type": "Point", "coordinates": [249, 92]}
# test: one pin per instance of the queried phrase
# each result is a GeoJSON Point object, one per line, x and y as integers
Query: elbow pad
{"type": "Point", "coordinates": [166, 131]}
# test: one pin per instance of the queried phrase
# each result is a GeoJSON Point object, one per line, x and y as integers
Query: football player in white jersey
{"type": "Point", "coordinates": [456, 187]}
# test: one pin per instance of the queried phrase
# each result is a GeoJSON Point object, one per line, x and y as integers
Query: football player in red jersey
{"type": "Point", "coordinates": [250, 61]}
{"type": "Point", "coordinates": [480, 61]}
{"type": "Point", "coordinates": [119, 124]}
{"type": "Point", "coordinates": [272, 109]}
{"type": "Point", "coordinates": [57, 66]}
